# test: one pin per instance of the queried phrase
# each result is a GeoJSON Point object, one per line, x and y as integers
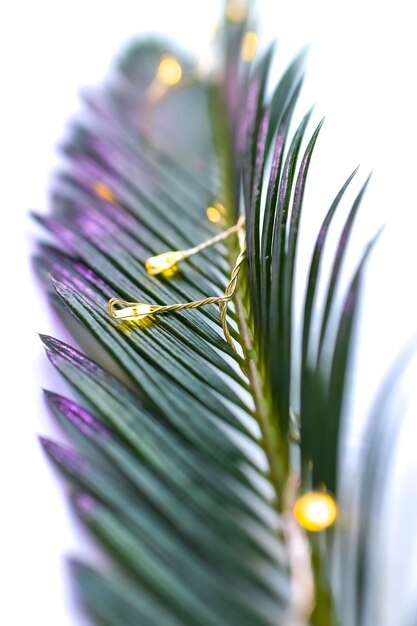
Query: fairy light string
{"type": "Point", "coordinates": [162, 262]}
{"type": "Point", "coordinates": [313, 511]}
{"type": "Point", "coordinates": [124, 310]}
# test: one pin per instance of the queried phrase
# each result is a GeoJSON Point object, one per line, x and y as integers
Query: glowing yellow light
{"type": "Point", "coordinates": [216, 212]}
{"type": "Point", "coordinates": [163, 262]}
{"type": "Point", "coordinates": [249, 45]}
{"type": "Point", "coordinates": [169, 70]}
{"type": "Point", "coordinates": [170, 272]}
{"type": "Point", "coordinates": [315, 511]}
{"type": "Point", "coordinates": [213, 214]}
{"type": "Point", "coordinates": [104, 192]}
{"type": "Point", "coordinates": [236, 11]}
{"type": "Point", "coordinates": [128, 326]}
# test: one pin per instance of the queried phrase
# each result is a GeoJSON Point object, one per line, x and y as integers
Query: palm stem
{"type": "Point", "coordinates": [276, 452]}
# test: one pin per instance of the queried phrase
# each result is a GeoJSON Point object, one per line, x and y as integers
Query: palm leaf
{"type": "Point", "coordinates": [180, 447]}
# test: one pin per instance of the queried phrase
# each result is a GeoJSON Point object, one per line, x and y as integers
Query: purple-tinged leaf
{"type": "Point", "coordinates": [289, 84]}
{"type": "Point", "coordinates": [83, 420]}
{"type": "Point", "coordinates": [68, 460]}
{"type": "Point", "coordinates": [269, 213]}
{"type": "Point", "coordinates": [278, 380]}
{"type": "Point", "coordinates": [288, 271]}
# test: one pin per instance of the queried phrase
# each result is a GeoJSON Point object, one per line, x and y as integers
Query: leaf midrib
{"type": "Point", "coordinates": [270, 441]}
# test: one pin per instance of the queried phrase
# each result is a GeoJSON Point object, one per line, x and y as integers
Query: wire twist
{"type": "Point", "coordinates": [229, 293]}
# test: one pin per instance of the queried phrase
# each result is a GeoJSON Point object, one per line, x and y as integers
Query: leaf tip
{"type": "Point", "coordinates": [46, 340]}
{"type": "Point", "coordinates": [45, 442]}
{"type": "Point", "coordinates": [49, 395]}
{"type": "Point", "coordinates": [52, 398]}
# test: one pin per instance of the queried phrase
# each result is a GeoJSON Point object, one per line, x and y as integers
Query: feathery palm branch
{"type": "Point", "coordinates": [181, 459]}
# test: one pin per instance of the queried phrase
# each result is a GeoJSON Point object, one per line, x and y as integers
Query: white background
{"type": "Point", "coordinates": [361, 73]}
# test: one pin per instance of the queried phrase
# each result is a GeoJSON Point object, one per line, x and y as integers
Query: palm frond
{"type": "Point", "coordinates": [181, 456]}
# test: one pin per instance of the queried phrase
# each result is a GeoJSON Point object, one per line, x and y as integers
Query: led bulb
{"type": "Point", "coordinates": [213, 214]}
{"type": "Point", "coordinates": [236, 11]}
{"type": "Point", "coordinates": [162, 262]}
{"type": "Point", "coordinates": [315, 511]}
{"type": "Point", "coordinates": [104, 192]}
{"type": "Point", "coordinates": [169, 70]}
{"type": "Point", "coordinates": [249, 45]}
{"type": "Point", "coordinates": [136, 312]}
